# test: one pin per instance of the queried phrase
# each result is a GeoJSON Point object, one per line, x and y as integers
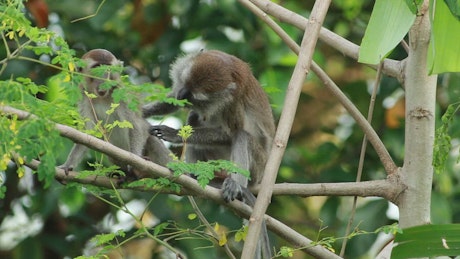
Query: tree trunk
{"type": "Point", "coordinates": [417, 172]}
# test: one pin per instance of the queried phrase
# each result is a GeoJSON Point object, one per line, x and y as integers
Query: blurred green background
{"type": "Point", "coordinates": [324, 145]}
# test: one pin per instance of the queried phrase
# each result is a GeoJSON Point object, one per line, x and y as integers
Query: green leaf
{"type": "Point", "coordinates": [2, 191]}
{"type": "Point", "coordinates": [204, 171]}
{"type": "Point", "coordinates": [454, 7]}
{"type": "Point", "coordinates": [185, 132]}
{"type": "Point", "coordinates": [286, 251]}
{"type": "Point", "coordinates": [241, 234]}
{"type": "Point", "coordinates": [414, 5]}
{"type": "Point", "coordinates": [103, 238]}
{"type": "Point", "coordinates": [150, 183]}
{"type": "Point", "coordinates": [389, 23]}
{"type": "Point", "coordinates": [158, 229]}
{"type": "Point", "coordinates": [427, 241]}
{"type": "Point", "coordinates": [443, 54]}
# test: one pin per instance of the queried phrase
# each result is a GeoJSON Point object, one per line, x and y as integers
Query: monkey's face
{"type": "Point", "coordinates": [101, 85]}
{"type": "Point", "coordinates": [204, 79]}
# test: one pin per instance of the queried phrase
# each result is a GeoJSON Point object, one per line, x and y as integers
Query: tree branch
{"type": "Point", "coordinates": [372, 136]}
{"type": "Point", "coordinates": [393, 68]}
{"type": "Point", "coordinates": [285, 125]}
{"type": "Point", "coordinates": [191, 185]}
{"type": "Point", "coordinates": [389, 189]}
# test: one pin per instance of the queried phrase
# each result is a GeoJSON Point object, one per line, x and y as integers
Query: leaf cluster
{"type": "Point", "coordinates": [204, 171]}
{"type": "Point", "coordinates": [443, 140]}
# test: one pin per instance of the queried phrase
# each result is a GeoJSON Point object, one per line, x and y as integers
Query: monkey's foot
{"type": "Point", "coordinates": [66, 169]}
{"type": "Point", "coordinates": [231, 190]}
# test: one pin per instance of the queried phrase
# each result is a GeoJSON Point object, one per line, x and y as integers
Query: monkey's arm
{"type": "Point", "coordinates": [74, 157]}
{"type": "Point", "coordinates": [200, 136]}
{"type": "Point", "coordinates": [158, 108]}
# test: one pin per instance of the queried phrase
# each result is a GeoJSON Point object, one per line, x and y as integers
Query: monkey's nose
{"type": "Point", "coordinates": [184, 93]}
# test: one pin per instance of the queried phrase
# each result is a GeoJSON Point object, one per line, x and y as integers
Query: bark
{"type": "Point", "coordinates": [301, 70]}
{"type": "Point", "coordinates": [417, 172]}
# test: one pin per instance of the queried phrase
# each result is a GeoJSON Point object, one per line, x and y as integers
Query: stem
{"type": "Point", "coordinates": [210, 228]}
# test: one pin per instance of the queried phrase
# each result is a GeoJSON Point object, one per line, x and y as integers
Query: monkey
{"type": "Point", "coordinates": [230, 114]}
{"type": "Point", "coordinates": [136, 139]}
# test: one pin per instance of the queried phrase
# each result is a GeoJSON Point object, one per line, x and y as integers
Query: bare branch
{"type": "Point", "coordinates": [285, 125]}
{"type": "Point", "coordinates": [392, 67]}
{"type": "Point", "coordinates": [389, 189]}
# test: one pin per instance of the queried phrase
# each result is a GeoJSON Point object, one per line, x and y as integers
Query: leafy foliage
{"type": "Point", "coordinates": [443, 140]}
{"type": "Point", "coordinates": [205, 170]}
{"type": "Point", "coordinates": [39, 74]}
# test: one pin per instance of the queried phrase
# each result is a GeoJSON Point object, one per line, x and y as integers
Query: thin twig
{"type": "Point", "coordinates": [208, 226]}
{"type": "Point", "coordinates": [91, 15]}
{"type": "Point", "coordinates": [362, 156]}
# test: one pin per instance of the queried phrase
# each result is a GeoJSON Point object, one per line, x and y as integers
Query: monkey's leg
{"type": "Point", "coordinates": [156, 151]}
{"type": "Point", "coordinates": [240, 154]}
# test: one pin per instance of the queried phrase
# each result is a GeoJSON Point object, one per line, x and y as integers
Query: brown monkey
{"type": "Point", "coordinates": [136, 139]}
{"type": "Point", "coordinates": [230, 114]}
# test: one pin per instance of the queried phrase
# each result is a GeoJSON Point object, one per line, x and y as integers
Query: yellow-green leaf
{"type": "Point", "coordinates": [443, 54]}
{"type": "Point", "coordinates": [389, 23]}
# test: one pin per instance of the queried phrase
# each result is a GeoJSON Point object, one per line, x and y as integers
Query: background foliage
{"type": "Point", "coordinates": [58, 221]}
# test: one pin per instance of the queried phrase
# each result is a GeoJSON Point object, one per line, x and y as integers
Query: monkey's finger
{"type": "Point", "coordinates": [155, 132]}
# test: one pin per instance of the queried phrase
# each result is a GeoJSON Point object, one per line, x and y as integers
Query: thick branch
{"type": "Point", "coordinates": [187, 182]}
{"type": "Point", "coordinates": [389, 189]}
{"type": "Point", "coordinates": [285, 124]}
{"type": "Point", "coordinates": [392, 68]}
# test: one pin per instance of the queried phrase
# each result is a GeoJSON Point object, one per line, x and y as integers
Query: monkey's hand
{"type": "Point", "coordinates": [231, 190]}
{"type": "Point", "coordinates": [165, 133]}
